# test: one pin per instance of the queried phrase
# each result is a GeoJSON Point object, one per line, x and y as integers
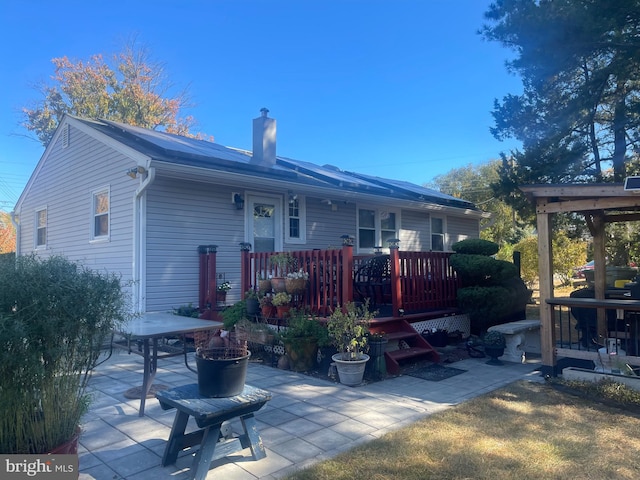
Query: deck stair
{"type": "Point", "coordinates": [411, 345]}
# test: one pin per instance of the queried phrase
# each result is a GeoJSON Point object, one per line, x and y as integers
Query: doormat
{"type": "Point", "coordinates": [435, 372]}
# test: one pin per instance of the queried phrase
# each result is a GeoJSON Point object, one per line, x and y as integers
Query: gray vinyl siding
{"type": "Point", "coordinates": [64, 184]}
{"type": "Point", "coordinates": [461, 228]}
{"type": "Point", "coordinates": [325, 227]}
{"type": "Point", "coordinates": [181, 216]}
{"type": "Point", "coordinates": [415, 231]}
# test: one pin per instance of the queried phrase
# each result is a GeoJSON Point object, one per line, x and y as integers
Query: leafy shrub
{"type": "Point", "coordinates": [55, 315]}
{"type": "Point", "coordinates": [475, 246]}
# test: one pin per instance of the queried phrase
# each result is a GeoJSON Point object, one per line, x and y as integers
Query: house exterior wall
{"type": "Point", "coordinates": [64, 183]}
{"type": "Point", "coordinates": [415, 233]}
{"type": "Point", "coordinates": [461, 228]}
{"type": "Point", "coordinates": [181, 216]}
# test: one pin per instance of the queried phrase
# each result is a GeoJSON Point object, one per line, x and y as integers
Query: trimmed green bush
{"type": "Point", "coordinates": [492, 292]}
{"type": "Point", "coordinates": [475, 246]}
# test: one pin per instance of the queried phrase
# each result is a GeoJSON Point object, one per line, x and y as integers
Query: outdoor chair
{"type": "Point", "coordinates": [372, 280]}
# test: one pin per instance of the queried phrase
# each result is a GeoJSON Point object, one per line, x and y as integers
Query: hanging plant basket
{"type": "Point", "coordinates": [264, 286]}
{"type": "Point", "coordinates": [296, 286]}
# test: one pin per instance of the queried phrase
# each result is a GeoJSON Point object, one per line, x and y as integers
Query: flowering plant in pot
{"type": "Point", "coordinates": [296, 282]}
{"type": "Point", "coordinates": [55, 315]}
{"type": "Point", "coordinates": [348, 329]}
{"type": "Point", "coordinates": [282, 302]}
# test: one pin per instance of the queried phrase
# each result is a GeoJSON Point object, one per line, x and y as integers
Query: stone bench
{"type": "Point", "coordinates": [522, 336]}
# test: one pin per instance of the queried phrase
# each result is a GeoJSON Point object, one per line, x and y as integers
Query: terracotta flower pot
{"type": "Point", "coordinates": [278, 284]}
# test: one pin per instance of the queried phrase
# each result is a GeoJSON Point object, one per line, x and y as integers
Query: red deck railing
{"type": "Point", "coordinates": [419, 281]}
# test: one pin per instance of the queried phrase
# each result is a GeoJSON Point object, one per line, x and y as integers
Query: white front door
{"type": "Point", "coordinates": [264, 224]}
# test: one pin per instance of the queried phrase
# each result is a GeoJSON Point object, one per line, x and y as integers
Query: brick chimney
{"type": "Point", "coordinates": [264, 140]}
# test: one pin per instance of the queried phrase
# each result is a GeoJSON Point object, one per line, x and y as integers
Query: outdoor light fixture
{"type": "Point", "coordinates": [133, 172]}
{"type": "Point", "coordinates": [238, 201]}
{"type": "Point", "coordinates": [393, 242]}
{"type": "Point", "coordinates": [347, 240]}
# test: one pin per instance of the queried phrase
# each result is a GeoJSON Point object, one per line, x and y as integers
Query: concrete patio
{"type": "Point", "coordinates": [307, 420]}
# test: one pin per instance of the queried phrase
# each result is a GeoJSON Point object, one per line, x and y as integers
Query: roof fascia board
{"type": "Point", "coordinates": [132, 153]}
{"type": "Point", "coordinates": [72, 121]}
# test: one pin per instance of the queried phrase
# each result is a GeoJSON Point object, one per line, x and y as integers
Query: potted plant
{"type": "Point", "coordinates": [222, 365]}
{"type": "Point", "coordinates": [221, 291]}
{"type": "Point", "coordinates": [264, 285]}
{"type": "Point", "coordinates": [301, 338]}
{"type": "Point", "coordinates": [282, 302]}
{"type": "Point", "coordinates": [283, 262]}
{"type": "Point", "coordinates": [252, 302]}
{"type": "Point", "coordinates": [348, 329]}
{"type": "Point", "coordinates": [296, 282]}
{"type": "Point", "coordinates": [233, 314]}
{"type": "Point", "coordinates": [55, 316]}
{"type": "Point", "coordinates": [266, 306]}
{"type": "Point", "coordinates": [494, 343]}
{"type": "Point", "coordinates": [376, 369]}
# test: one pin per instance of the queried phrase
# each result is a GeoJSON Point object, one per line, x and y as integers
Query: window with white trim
{"type": "Point", "coordinates": [375, 228]}
{"type": "Point", "coordinates": [295, 221]}
{"type": "Point", "coordinates": [100, 214]}
{"type": "Point", "coordinates": [41, 228]}
{"type": "Point", "coordinates": [437, 234]}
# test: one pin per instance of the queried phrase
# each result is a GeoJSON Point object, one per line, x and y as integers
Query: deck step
{"type": "Point", "coordinates": [401, 335]}
{"type": "Point", "coordinates": [410, 352]}
{"type": "Point", "coordinates": [412, 345]}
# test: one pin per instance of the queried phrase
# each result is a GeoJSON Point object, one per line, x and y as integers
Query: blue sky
{"type": "Point", "coordinates": [400, 89]}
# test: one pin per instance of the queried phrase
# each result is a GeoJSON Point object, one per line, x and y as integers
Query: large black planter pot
{"type": "Point", "coordinates": [253, 306]}
{"type": "Point", "coordinates": [222, 377]}
{"type": "Point", "coordinates": [302, 353]}
{"type": "Point", "coordinates": [494, 353]}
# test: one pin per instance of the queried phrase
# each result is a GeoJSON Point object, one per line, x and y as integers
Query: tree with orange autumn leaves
{"type": "Point", "coordinates": [7, 233]}
{"type": "Point", "coordinates": [132, 90]}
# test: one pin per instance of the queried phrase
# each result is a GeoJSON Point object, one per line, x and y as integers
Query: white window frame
{"type": "Point", "coordinates": [94, 194]}
{"type": "Point", "coordinates": [378, 211]}
{"type": "Point", "coordinates": [36, 227]}
{"type": "Point", "coordinates": [444, 233]}
{"type": "Point", "coordinates": [302, 217]}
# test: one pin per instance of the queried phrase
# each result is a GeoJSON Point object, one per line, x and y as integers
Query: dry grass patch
{"type": "Point", "coordinates": [524, 431]}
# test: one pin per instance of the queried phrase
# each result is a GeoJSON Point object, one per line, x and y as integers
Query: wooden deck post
{"type": "Point", "coordinates": [245, 268]}
{"type": "Point", "coordinates": [396, 287]}
{"type": "Point", "coordinates": [347, 268]}
{"type": "Point", "coordinates": [207, 280]}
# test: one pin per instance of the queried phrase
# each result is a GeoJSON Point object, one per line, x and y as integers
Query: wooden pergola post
{"type": "Point", "coordinates": [545, 267]}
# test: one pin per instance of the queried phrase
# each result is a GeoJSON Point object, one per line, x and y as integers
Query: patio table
{"type": "Point", "coordinates": [142, 336]}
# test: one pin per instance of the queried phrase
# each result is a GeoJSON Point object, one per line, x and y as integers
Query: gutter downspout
{"type": "Point", "coordinates": [16, 225]}
{"type": "Point", "coordinates": [139, 233]}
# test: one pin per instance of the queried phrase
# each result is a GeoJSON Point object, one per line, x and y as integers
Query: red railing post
{"type": "Point", "coordinates": [245, 268]}
{"type": "Point", "coordinates": [396, 287]}
{"type": "Point", "coordinates": [202, 279]}
{"type": "Point", "coordinates": [347, 270]}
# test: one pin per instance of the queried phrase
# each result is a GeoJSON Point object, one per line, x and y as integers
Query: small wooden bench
{"type": "Point", "coordinates": [209, 414]}
{"type": "Point", "coordinates": [522, 336]}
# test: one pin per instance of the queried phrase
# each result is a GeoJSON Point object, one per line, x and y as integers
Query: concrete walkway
{"type": "Point", "coordinates": [308, 420]}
